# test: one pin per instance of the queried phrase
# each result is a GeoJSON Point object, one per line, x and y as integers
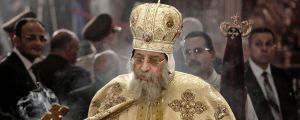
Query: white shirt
{"type": "Point", "coordinates": [260, 79]}
{"type": "Point", "coordinates": [257, 71]}
{"type": "Point", "coordinates": [215, 80]}
{"type": "Point", "coordinates": [249, 109]}
{"type": "Point", "coordinates": [26, 63]}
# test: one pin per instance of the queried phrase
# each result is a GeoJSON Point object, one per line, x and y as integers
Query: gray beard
{"type": "Point", "coordinates": [148, 90]}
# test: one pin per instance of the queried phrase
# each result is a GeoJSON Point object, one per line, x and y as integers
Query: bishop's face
{"type": "Point", "coordinates": [150, 75]}
{"type": "Point", "coordinates": [147, 64]}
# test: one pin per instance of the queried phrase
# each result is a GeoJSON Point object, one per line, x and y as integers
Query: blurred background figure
{"type": "Point", "coordinates": [58, 72]}
{"type": "Point", "coordinates": [100, 32]}
{"type": "Point", "coordinates": [199, 55]}
{"type": "Point", "coordinates": [106, 66]}
{"type": "Point", "coordinates": [114, 8]}
{"type": "Point", "coordinates": [290, 41]}
{"type": "Point", "coordinates": [9, 26]}
{"type": "Point", "coordinates": [64, 46]}
{"type": "Point", "coordinates": [189, 24]}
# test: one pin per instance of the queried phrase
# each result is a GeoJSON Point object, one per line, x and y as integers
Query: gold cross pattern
{"type": "Point", "coordinates": [56, 112]}
{"type": "Point", "coordinates": [187, 106]}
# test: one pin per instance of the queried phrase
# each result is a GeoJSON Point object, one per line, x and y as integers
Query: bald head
{"type": "Point", "coordinates": [65, 43]}
{"type": "Point", "coordinates": [62, 38]}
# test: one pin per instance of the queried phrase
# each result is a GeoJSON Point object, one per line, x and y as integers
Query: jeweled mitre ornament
{"type": "Point", "coordinates": [155, 27]}
{"type": "Point", "coordinates": [235, 27]}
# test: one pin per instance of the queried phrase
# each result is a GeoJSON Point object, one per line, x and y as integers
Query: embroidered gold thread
{"type": "Point", "coordinates": [221, 113]}
{"type": "Point", "coordinates": [96, 103]}
{"type": "Point", "coordinates": [110, 100]}
{"type": "Point", "coordinates": [187, 106]}
{"type": "Point", "coordinates": [147, 30]}
{"type": "Point", "coordinates": [150, 110]}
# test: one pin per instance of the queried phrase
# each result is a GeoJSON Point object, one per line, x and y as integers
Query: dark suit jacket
{"type": "Point", "coordinates": [285, 94]}
{"type": "Point", "coordinates": [63, 78]}
{"type": "Point", "coordinates": [15, 84]}
{"type": "Point", "coordinates": [47, 68]}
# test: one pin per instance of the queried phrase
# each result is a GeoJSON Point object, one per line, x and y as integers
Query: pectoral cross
{"type": "Point", "coordinates": [56, 112]}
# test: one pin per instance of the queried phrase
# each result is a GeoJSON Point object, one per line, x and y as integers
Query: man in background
{"type": "Point", "coordinates": [16, 73]}
{"type": "Point", "coordinates": [199, 54]}
{"type": "Point", "coordinates": [189, 24]}
{"type": "Point", "coordinates": [9, 26]}
{"type": "Point", "coordinates": [58, 72]}
{"type": "Point", "coordinates": [269, 88]}
{"type": "Point", "coordinates": [100, 32]}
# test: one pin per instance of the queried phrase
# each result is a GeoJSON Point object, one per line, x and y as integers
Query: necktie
{"type": "Point", "coordinates": [271, 98]}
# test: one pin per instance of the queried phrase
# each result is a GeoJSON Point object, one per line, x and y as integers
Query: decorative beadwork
{"type": "Point", "coordinates": [221, 113]}
{"type": "Point", "coordinates": [96, 103]}
{"type": "Point", "coordinates": [187, 106]}
{"type": "Point", "coordinates": [111, 99]}
{"type": "Point", "coordinates": [169, 21]}
{"type": "Point", "coordinates": [244, 27]}
{"type": "Point", "coordinates": [233, 33]}
{"type": "Point", "coordinates": [148, 36]}
{"type": "Point", "coordinates": [156, 25]}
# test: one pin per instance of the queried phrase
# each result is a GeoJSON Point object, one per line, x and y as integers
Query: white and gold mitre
{"type": "Point", "coordinates": [155, 27]}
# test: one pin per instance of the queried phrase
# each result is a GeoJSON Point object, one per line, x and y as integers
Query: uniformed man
{"type": "Point", "coordinates": [100, 32]}
{"type": "Point", "coordinates": [153, 90]}
{"type": "Point", "coordinates": [9, 26]}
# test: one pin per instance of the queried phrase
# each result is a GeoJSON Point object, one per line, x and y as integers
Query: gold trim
{"type": "Point", "coordinates": [243, 27]}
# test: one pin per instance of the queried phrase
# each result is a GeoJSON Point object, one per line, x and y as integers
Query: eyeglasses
{"type": "Point", "coordinates": [153, 61]}
{"type": "Point", "coordinates": [195, 50]}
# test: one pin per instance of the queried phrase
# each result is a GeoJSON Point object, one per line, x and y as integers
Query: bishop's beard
{"type": "Point", "coordinates": [151, 89]}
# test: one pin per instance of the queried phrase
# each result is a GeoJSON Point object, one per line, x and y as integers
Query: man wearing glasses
{"type": "Point", "coordinates": [153, 90]}
{"type": "Point", "coordinates": [199, 54]}
{"type": "Point", "coordinates": [17, 77]}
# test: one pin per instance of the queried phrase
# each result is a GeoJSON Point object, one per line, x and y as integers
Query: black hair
{"type": "Point", "coordinates": [261, 30]}
{"type": "Point", "coordinates": [22, 22]}
{"type": "Point", "coordinates": [208, 41]}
